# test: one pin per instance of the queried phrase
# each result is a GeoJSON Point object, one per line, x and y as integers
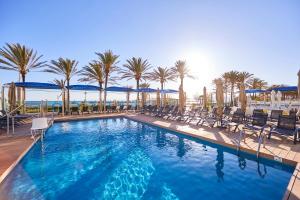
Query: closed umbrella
{"type": "Point", "coordinates": [12, 96]}
{"type": "Point", "coordinates": [219, 96]}
{"type": "Point", "coordinates": [242, 97]}
{"type": "Point", "coordinates": [204, 98]}
{"type": "Point", "coordinates": [158, 98]}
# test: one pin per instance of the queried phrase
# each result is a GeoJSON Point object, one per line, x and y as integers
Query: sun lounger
{"type": "Point", "coordinates": [286, 126]}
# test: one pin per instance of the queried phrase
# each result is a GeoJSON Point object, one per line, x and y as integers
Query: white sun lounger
{"type": "Point", "coordinates": [40, 125]}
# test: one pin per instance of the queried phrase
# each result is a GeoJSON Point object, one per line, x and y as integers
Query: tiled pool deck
{"type": "Point", "coordinates": [12, 148]}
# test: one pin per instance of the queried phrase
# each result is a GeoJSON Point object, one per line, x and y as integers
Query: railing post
{"type": "Point", "coordinates": [13, 124]}
{"type": "Point", "coordinates": [7, 116]}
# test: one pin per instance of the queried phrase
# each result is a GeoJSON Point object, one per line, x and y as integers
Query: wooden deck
{"type": "Point", "coordinates": [12, 148]}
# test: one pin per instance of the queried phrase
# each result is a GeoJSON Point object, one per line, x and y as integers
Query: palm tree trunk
{"type": "Point", "coordinates": [161, 95]}
{"type": "Point", "coordinates": [68, 99]}
{"type": "Point", "coordinates": [105, 93]}
{"type": "Point", "coordinates": [181, 95]}
{"type": "Point", "coordinates": [138, 94]}
{"type": "Point", "coordinates": [100, 98]}
{"type": "Point", "coordinates": [23, 94]}
{"type": "Point", "coordinates": [231, 94]}
{"type": "Point", "coordinates": [63, 102]}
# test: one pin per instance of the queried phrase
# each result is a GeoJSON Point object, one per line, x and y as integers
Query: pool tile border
{"type": "Point", "coordinates": [14, 164]}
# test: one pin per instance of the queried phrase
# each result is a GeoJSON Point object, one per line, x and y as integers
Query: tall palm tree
{"type": "Point", "coordinates": [244, 78]}
{"type": "Point", "coordinates": [17, 57]}
{"type": "Point", "coordinates": [162, 75]}
{"type": "Point", "coordinates": [144, 95]}
{"type": "Point", "coordinates": [61, 84]}
{"type": "Point", "coordinates": [225, 85]}
{"type": "Point", "coordinates": [257, 83]}
{"type": "Point", "coordinates": [180, 70]}
{"type": "Point", "coordinates": [94, 72]}
{"type": "Point", "coordinates": [66, 68]}
{"type": "Point", "coordinates": [109, 62]}
{"type": "Point", "coordinates": [136, 68]}
{"type": "Point", "coordinates": [232, 77]}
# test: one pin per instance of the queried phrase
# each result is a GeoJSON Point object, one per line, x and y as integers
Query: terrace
{"type": "Point", "coordinates": [14, 147]}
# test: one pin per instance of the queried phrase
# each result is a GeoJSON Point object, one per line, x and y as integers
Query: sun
{"type": "Point", "coordinates": [202, 67]}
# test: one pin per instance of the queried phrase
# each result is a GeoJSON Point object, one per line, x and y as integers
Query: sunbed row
{"type": "Point", "coordinates": [256, 121]}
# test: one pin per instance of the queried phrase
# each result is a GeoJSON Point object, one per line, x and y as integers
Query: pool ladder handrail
{"type": "Point", "coordinates": [261, 140]}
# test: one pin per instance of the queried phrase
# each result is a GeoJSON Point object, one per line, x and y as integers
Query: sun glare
{"type": "Point", "coordinates": [202, 67]}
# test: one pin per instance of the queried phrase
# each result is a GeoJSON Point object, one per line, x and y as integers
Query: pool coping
{"type": "Point", "coordinates": [16, 162]}
{"type": "Point", "coordinates": [293, 186]}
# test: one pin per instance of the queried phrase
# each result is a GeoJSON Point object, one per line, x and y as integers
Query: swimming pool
{"type": "Point", "coordinates": [117, 158]}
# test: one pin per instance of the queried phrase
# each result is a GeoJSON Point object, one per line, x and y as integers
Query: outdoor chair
{"type": "Point", "coordinates": [74, 110]}
{"type": "Point", "coordinates": [85, 109]}
{"type": "Point", "coordinates": [95, 109]}
{"type": "Point", "coordinates": [236, 120]}
{"type": "Point", "coordinates": [172, 112]}
{"type": "Point", "coordinates": [275, 114]}
{"type": "Point", "coordinates": [286, 126]}
{"type": "Point", "coordinates": [210, 119]}
{"type": "Point", "coordinates": [257, 125]}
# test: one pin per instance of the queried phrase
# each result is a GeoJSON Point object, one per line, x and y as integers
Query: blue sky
{"type": "Point", "coordinates": [262, 37]}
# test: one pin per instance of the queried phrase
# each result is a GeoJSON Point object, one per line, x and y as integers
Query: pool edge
{"type": "Point", "coordinates": [17, 161]}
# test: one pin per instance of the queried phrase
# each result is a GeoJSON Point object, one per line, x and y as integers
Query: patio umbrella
{"type": "Point", "coordinates": [273, 94]}
{"type": "Point", "coordinates": [299, 85]}
{"type": "Point", "coordinates": [279, 96]}
{"type": "Point", "coordinates": [242, 97]}
{"type": "Point", "coordinates": [12, 96]}
{"type": "Point", "coordinates": [158, 98]}
{"type": "Point", "coordinates": [204, 98]}
{"type": "Point", "coordinates": [219, 96]}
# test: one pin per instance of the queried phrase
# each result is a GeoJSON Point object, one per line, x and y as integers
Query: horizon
{"type": "Point", "coordinates": [212, 37]}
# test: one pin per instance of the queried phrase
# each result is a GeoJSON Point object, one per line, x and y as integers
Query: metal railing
{"type": "Point", "coordinates": [11, 115]}
{"type": "Point", "coordinates": [261, 141]}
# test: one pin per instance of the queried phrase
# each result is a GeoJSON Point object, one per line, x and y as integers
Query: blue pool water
{"type": "Point", "coordinates": [118, 158]}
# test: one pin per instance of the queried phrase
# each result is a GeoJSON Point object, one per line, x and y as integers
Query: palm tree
{"type": "Point", "coordinates": [180, 70]}
{"type": "Point", "coordinates": [64, 67]}
{"type": "Point", "coordinates": [256, 83]}
{"type": "Point", "coordinates": [94, 72]}
{"type": "Point", "coordinates": [136, 68]}
{"type": "Point", "coordinates": [144, 95]}
{"type": "Point", "coordinates": [225, 85]}
{"type": "Point", "coordinates": [244, 78]}
{"type": "Point", "coordinates": [232, 77]}
{"type": "Point", "coordinates": [109, 61]}
{"type": "Point", "coordinates": [61, 84]}
{"type": "Point", "coordinates": [162, 75]}
{"type": "Point", "coordinates": [17, 57]}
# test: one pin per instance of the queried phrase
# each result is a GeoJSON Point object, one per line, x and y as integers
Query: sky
{"type": "Point", "coordinates": [261, 37]}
